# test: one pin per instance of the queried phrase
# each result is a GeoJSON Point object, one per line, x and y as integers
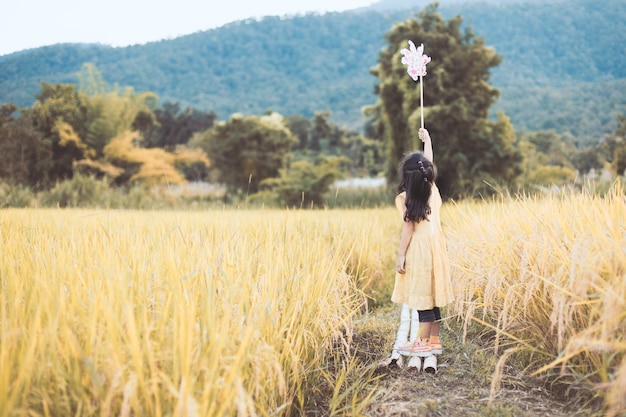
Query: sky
{"type": "Point", "coordinates": [26, 24]}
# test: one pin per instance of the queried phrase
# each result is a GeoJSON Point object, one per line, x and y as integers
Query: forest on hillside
{"type": "Point", "coordinates": [76, 140]}
{"type": "Point", "coordinates": [563, 68]}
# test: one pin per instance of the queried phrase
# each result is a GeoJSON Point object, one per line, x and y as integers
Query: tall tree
{"type": "Point", "coordinates": [112, 110]}
{"type": "Point", "coordinates": [247, 149]}
{"type": "Point", "coordinates": [60, 105]}
{"type": "Point", "coordinates": [152, 166]}
{"type": "Point", "coordinates": [304, 184]}
{"type": "Point", "coordinates": [614, 147]}
{"type": "Point", "coordinates": [300, 126]}
{"type": "Point", "coordinates": [470, 150]}
{"type": "Point", "coordinates": [25, 158]}
{"type": "Point", "coordinates": [174, 127]}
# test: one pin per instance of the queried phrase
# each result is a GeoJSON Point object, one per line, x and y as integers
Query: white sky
{"type": "Point", "coordinates": [32, 23]}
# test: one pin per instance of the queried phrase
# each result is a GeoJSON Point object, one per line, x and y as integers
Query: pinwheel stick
{"type": "Point", "coordinates": [422, 99]}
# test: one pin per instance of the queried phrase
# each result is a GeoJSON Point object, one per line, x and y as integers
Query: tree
{"type": "Point", "coordinates": [470, 150]}
{"type": "Point", "coordinates": [247, 149]}
{"type": "Point", "coordinates": [557, 150]}
{"type": "Point", "coordinates": [614, 147]}
{"type": "Point", "coordinates": [323, 131]}
{"type": "Point", "coordinates": [174, 128]}
{"type": "Point", "coordinates": [114, 145]}
{"type": "Point", "coordinates": [586, 159]}
{"type": "Point", "coordinates": [113, 111]}
{"type": "Point", "coordinates": [547, 159]}
{"type": "Point", "coordinates": [364, 157]}
{"type": "Point", "coordinates": [304, 184]}
{"type": "Point", "coordinates": [300, 126]}
{"type": "Point", "coordinates": [153, 166]}
{"type": "Point", "coordinates": [57, 106]}
{"type": "Point", "coordinates": [25, 158]}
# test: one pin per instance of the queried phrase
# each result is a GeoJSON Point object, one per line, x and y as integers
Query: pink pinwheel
{"type": "Point", "coordinates": [415, 60]}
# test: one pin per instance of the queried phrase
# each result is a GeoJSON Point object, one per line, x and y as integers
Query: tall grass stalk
{"type": "Point", "coordinates": [174, 313]}
{"type": "Point", "coordinates": [546, 276]}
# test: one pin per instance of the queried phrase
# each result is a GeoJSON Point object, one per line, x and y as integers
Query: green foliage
{"type": "Point", "coordinates": [547, 157]}
{"type": "Point", "coordinates": [84, 191]}
{"type": "Point", "coordinates": [25, 157]}
{"type": "Point", "coordinates": [60, 103]}
{"type": "Point", "coordinates": [80, 191]}
{"type": "Point", "coordinates": [615, 147]}
{"type": "Point", "coordinates": [321, 137]}
{"type": "Point", "coordinates": [553, 159]}
{"type": "Point", "coordinates": [563, 64]}
{"type": "Point", "coordinates": [247, 150]}
{"type": "Point", "coordinates": [173, 127]}
{"type": "Point", "coordinates": [498, 159]}
{"type": "Point", "coordinates": [17, 196]}
{"type": "Point", "coordinates": [317, 72]}
{"type": "Point", "coordinates": [113, 111]}
{"type": "Point", "coordinates": [365, 154]}
{"type": "Point", "coordinates": [549, 175]}
{"type": "Point", "coordinates": [304, 184]}
{"type": "Point", "coordinates": [469, 149]}
{"type": "Point", "coordinates": [554, 149]}
{"type": "Point", "coordinates": [586, 159]}
{"type": "Point", "coordinates": [300, 127]}
{"type": "Point", "coordinates": [92, 132]}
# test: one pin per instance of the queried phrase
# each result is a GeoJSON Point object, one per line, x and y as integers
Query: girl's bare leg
{"type": "Point", "coordinates": [426, 329]}
{"type": "Point", "coordinates": [434, 329]}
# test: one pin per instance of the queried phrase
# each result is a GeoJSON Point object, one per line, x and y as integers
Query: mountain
{"type": "Point", "coordinates": [564, 63]}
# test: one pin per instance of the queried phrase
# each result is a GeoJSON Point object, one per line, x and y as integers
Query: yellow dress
{"type": "Point", "coordinates": [426, 281]}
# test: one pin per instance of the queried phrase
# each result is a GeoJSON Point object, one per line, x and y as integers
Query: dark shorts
{"type": "Point", "coordinates": [426, 316]}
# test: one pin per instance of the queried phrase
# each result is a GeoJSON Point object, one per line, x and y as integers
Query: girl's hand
{"type": "Point", "coordinates": [423, 134]}
{"type": "Point", "coordinates": [400, 264]}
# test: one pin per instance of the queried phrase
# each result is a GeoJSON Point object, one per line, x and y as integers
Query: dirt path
{"type": "Point", "coordinates": [462, 384]}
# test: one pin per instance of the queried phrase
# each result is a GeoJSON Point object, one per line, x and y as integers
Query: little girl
{"type": "Point", "coordinates": [422, 268]}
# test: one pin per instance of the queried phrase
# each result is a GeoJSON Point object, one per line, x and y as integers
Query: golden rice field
{"type": "Point", "coordinates": [239, 312]}
{"type": "Point", "coordinates": [548, 277]}
{"type": "Point", "coordinates": [176, 313]}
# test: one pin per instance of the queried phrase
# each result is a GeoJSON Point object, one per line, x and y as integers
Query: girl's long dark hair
{"type": "Point", "coordinates": [417, 175]}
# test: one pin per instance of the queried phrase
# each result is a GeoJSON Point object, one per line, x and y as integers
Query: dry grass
{"type": "Point", "coordinates": [547, 278]}
{"type": "Point", "coordinates": [174, 313]}
{"type": "Point", "coordinates": [252, 312]}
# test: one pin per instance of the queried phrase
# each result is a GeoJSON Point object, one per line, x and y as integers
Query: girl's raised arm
{"type": "Point", "coordinates": [428, 146]}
